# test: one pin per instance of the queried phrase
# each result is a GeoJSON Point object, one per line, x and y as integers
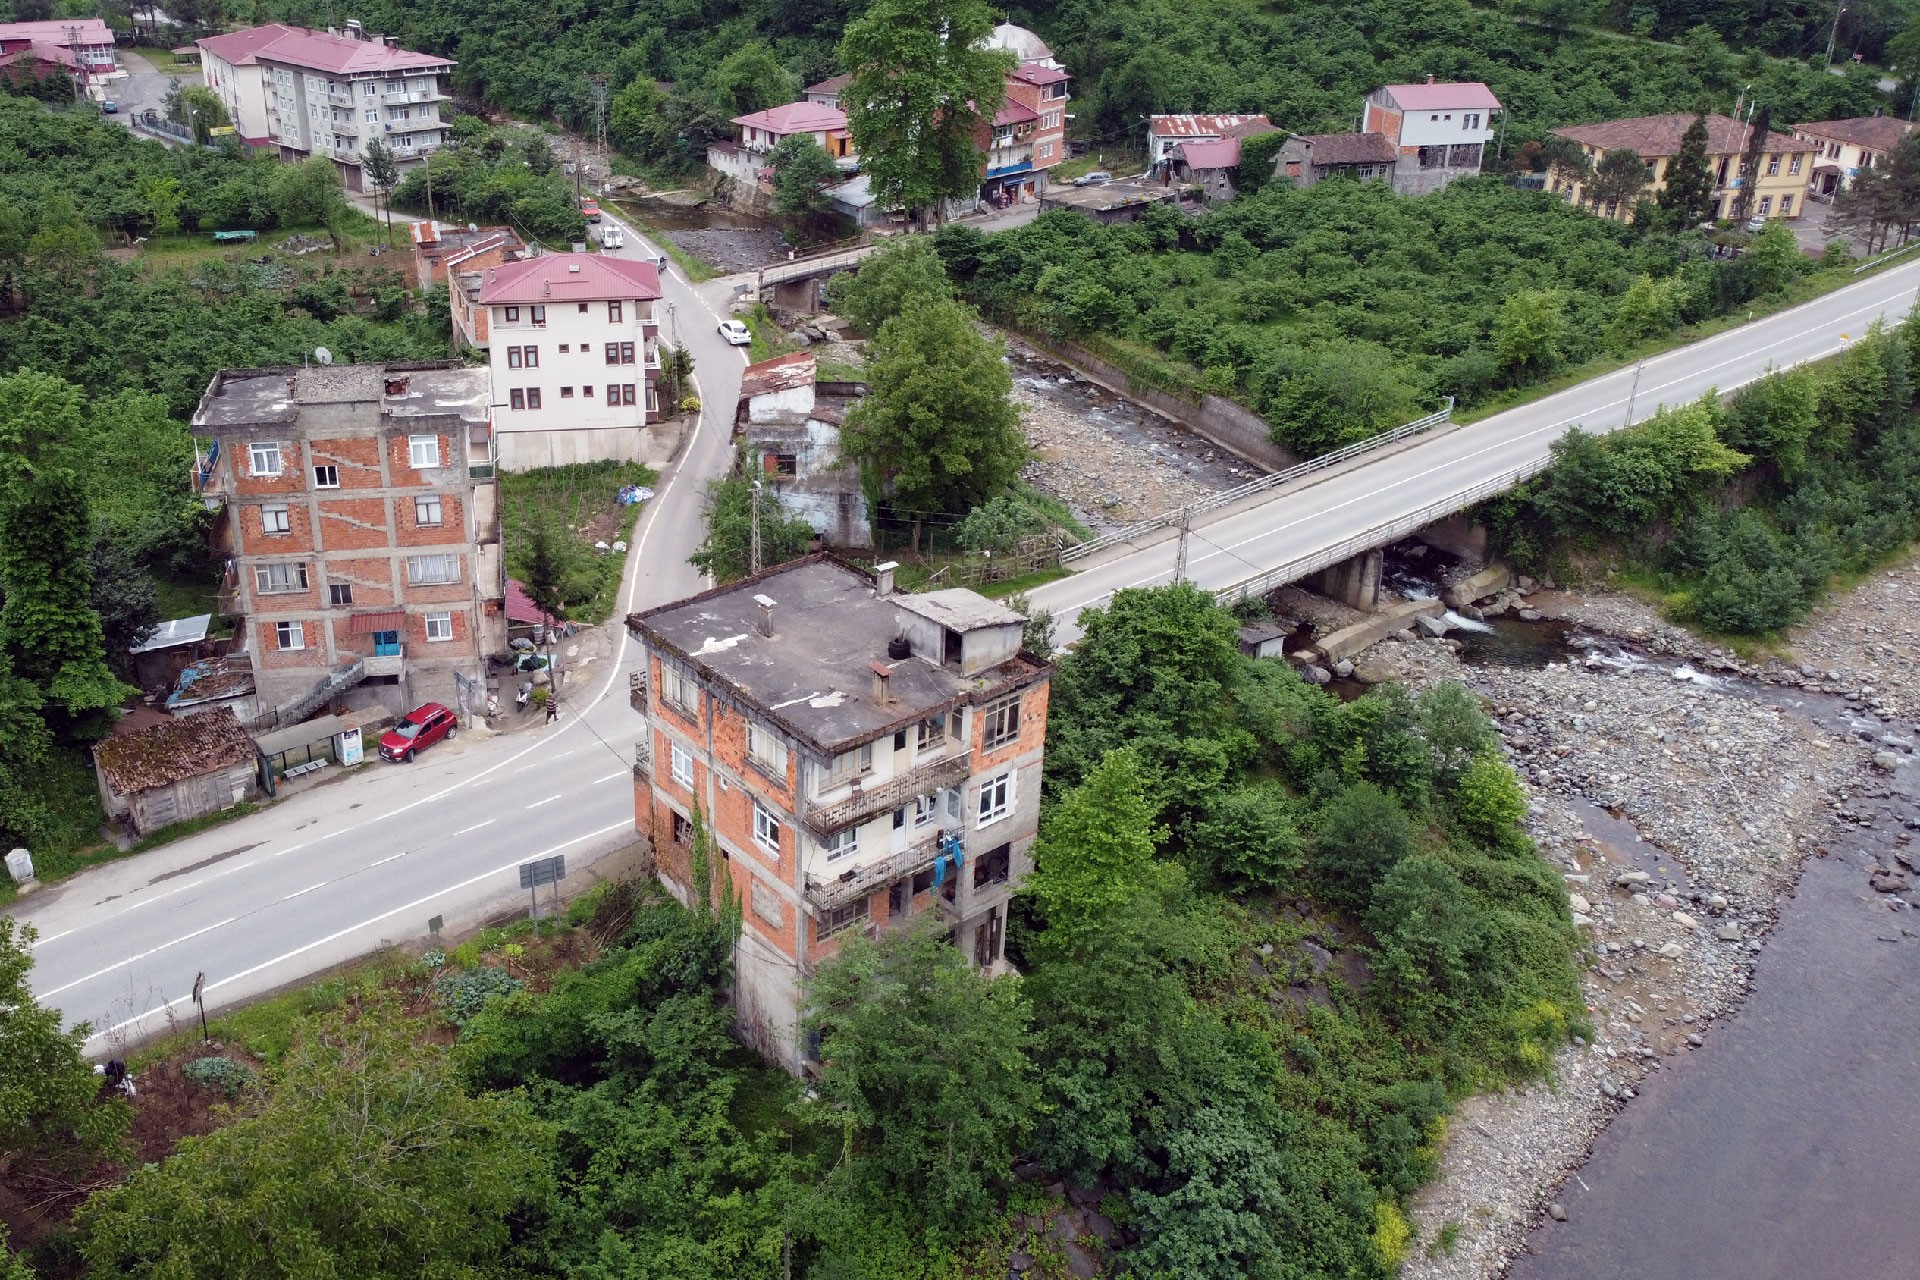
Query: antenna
{"type": "Point", "coordinates": [322, 355]}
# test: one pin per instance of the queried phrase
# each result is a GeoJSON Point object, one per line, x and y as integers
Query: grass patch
{"type": "Point", "coordinates": [769, 339]}
{"type": "Point", "coordinates": [73, 843]}
{"type": "Point", "coordinates": [1025, 582]}
{"type": "Point", "coordinates": [839, 371]}
{"type": "Point", "coordinates": [185, 597]}
{"type": "Point", "coordinates": [192, 826]}
{"type": "Point", "coordinates": [1120, 161]}
{"type": "Point", "coordinates": [585, 498]}
{"type": "Point", "coordinates": [358, 232]}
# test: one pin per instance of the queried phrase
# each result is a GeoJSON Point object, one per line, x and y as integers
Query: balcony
{"type": "Point", "coordinates": [643, 760]}
{"type": "Point", "coordinates": [637, 691]}
{"type": "Point", "coordinates": [857, 882]}
{"type": "Point", "coordinates": [825, 819]}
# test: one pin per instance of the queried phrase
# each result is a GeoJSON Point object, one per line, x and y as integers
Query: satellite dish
{"type": "Point", "coordinates": [323, 355]}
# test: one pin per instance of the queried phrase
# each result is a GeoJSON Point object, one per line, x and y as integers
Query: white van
{"type": "Point", "coordinates": [610, 238]}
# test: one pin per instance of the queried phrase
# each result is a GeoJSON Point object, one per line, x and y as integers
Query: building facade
{"type": "Point", "coordinates": [1776, 191]}
{"type": "Point", "coordinates": [574, 348]}
{"type": "Point", "coordinates": [787, 428]}
{"type": "Point", "coordinates": [1307, 158]}
{"type": "Point", "coordinates": [1028, 136]}
{"type": "Point", "coordinates": [1843, 149]}
{"type": "Point", "coordinates": [756, 135]}
{"type": "Point", "coordinates": [83, 47]}
{"type": "Point", "coordinates": [363, 555]}
{"type": "Point", "coordinates": [329, 93]}
{"type": "Point", "coordinates": [856, 758]}
{"type": "Point", "coordinates": [1440, 131]}
{"type": "Point", "coordinates": [1164, 133]}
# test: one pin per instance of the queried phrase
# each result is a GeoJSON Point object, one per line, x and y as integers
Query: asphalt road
{"type": "Point", "coordinates": [339, 870]}
{"type": "Point", "coordinates": [143, 88]}
{"type": "Point", "coordinates": [1233, 546]}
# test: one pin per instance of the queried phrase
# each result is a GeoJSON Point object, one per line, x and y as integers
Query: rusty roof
{"type": "Point", "coordinates": [163, 754]}
{"type": "Point", "coordinates": [782, 373]}
{"type": "Point", "coordinates": [1650, 136]}
{"type": "Point", "coordinates": [1877, 133]}
{"type": "Point", "coordinates": [1349, 148]}
{"type": "Point", "coordinates": [1190, 126]}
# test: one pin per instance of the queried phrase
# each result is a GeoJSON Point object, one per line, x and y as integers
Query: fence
{"type": "Point", "coordinates": [800, 268]}
{"type": "Point", "coordinates": [1043, 551]}
{"type": "Point", "coordinates": [1378, 536]}
{"type": "Point", "coordinates": [1184, 515]}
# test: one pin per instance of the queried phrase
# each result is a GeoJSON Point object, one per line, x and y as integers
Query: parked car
{"type": "Point", "coordinates": [590, 209]}
{"type": "Point", "coordinates": [611, 238]}
{"type": "Point", "coordinates": [736, 333]}
{"type": "Point", "coordinates": [423, 726]}
{"type": "Point", "coordinates": [110, 107]}
{"type": "Point", "coordinates": [1756, 224]}
{"type": "Point", "coordinates": [1098, 178]}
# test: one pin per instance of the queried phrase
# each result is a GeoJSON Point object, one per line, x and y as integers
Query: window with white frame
{"type": "Point", "coordinates": [440, 626]}
{"type": "Point", "coordinates": [274, 518]}
{"type": "Point", "coordinates": [680, 764]}
{"type": "Point", "coordinates": [765, 750]}
{"type": "Point", "coordinates": [426, 510]}
{"type": "Point", "coordinates": [677, 688]}
{"type": "Point", "coordinates": [326, 476]}
{"type": "Point", "coordinates": [423, 451]}
{"type": "Point", "coordinates": [1000, 723]}
{"type": "Point", "coordinates": [953, 803]}
{"type": "Point", "coordinates": [841, 843]}
{"type": "Point", "coordinates": [272, 579]}
{"type": "Point", "coordinates": [996, 798]}
{"type": "Point", "coordinates": [290, 635]}
{"type": "Point", "coordinates": [925, 809]}
{"type": "Point", "coordinates": [263, 458]}
{"type": "Point", "coordinates": [766, 829]}
{"type": "Point", "coordinates": [849, 765]}
{"type": "Point", "coordinates": [931, 733]}
{"type": "Point", "coordinates": [425, 570]}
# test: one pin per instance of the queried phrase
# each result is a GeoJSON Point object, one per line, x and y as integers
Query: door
{"type": "Point", "coordinates": [986, 940]}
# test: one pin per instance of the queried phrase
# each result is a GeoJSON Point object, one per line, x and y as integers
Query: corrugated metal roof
{"type": "Point", "coordinates": [1200, 126]}
{"type": "Point", "coordinates": [175, 632]}
{"type": "Point", "coordinates": [782, 373]}
{"type": "Point", "coordinates": [1447, 96]}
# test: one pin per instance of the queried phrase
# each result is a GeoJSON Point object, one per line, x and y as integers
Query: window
{"type": "Point", "coordinates": [682, 830]}
{"type": "Point", "coordinates": [996, 798]}
{"type": "Point", "coordinates": [368, 89]}
{"type": "Point", "coordinates": [766, 829]}
{"type": "Point", "coordinates": [680, 764]}
{"type": "Point", "coordinates": [1786, 205]}
{"type": "Point", "coordinates": [932, 733]}
{"type": "Point", "coordinates": [439, 626]}
{"type": "Point", "coordinates": [533, 397]}
{"type": "Point", "coordinates": [272, 579]}
{"type": "Point", "coordinates": [524, 357]}
{"type": "Point", "coordinates": [626, 394]}
{"type": "Point", "coordinates": [766, 905]}
{"type": "Point", "coordinates": [583, 311]}
{"type": "Point", "coordinates": [1000, 723]}
{"type": "Point", "coordinates": [566, 393]}
{"type": "Point", "coordinates": [1793, 165]}
{"type": "Point", "coordinates": [782, 464]}
{"type": "Point", "coordinates": [840, 919]}
{"type": "Point", "coordinates": [1766, 205]}
{"type": "Point", "coordinates": [513, 315]}
{"type": "Point", "coordinates": [373, 115]}
{"type": "Point", "coordinates": [424, 570]}
{"type": "Point", "coordinates": [849, 765]}
{"type": "Point", "coordinates": [566, 346]}
{"type": "Point", "coordinates": [925, 809]}
{"type": "Point", "coordinates": [291, 635]}
{"type": "Point", "coordinates": [766, 750]}
{"type": "Point", "coordinates": [326, 476]}
{"type": "Point", "coordinates": [339, 593]}
{"type": "Point", "coordinates": [274, 518]}
{"type": "Point", "coordinates": [676, 689]}
{"type": "Point", "coordinates": [841, 843]}
{"type": "Point", "coordinates": [613, 313]}
{"type": "Point", "coordinates": [993, 868]}
{"type": "Point", "coordinates": [619, 353]}
{"type": "Point", "coordinates": [587, 391]}
{"type": "Point", "coordinates": [517, 398]}
{"type": "Point", "coordinates": [1773, 166]}
{"type": "Point", "coordinates": [653, 403]}
{"type": "Point", "coordinates": [539, 314]}
{"type": "Point", "coordinates": [263, 458]}
{"type": "Point", "coordinates": [426, 510]}
{"type": "Point", "coordinates": [953, 803]}
{"type": "Point", "coordinates": [423, 451]}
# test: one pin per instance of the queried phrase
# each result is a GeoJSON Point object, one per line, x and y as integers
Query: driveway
{"type": "Point", "coordinates": [144, 88]}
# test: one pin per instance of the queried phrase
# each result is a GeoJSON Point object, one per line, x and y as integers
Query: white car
{"type": "Point", "coordinates": [611, 238]}
{"type": "Point", "coordinates": [735, 332]}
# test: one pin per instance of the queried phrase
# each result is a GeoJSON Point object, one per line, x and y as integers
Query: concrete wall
{"type": "Point", "coordinates": [1232, 426]}
{"type": "Point", "coordinates": [531, 450]}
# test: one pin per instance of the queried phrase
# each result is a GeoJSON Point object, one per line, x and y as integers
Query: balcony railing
{"type": "Point", "coordinates": [637, 691]}
{"type": "Point", "coordinates": [643, 760]}
{"type": "Point", "coordinates": [825, 819]}
{"type": "Point", "coordinates": [858, 882]}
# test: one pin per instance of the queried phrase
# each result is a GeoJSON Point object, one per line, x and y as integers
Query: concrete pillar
{"type": "Point", "coordinates": [1355, 582]}
{"type": "Point", "coordinates": [1458, 537]}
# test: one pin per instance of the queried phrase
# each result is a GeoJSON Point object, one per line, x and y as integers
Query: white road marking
{"type": "Point", "coordinates": [98, 973]}
{"type": "Point", "coordinates": [620, 773]}
{"type": "Point", "coordinates": [549, 800]}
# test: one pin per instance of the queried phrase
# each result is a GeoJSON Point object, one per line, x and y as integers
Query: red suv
{"type": "Point", "coordinates": [424, 726]}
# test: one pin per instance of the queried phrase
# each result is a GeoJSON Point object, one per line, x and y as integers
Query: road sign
{"type": "Point", "coordinates": [543, 871]}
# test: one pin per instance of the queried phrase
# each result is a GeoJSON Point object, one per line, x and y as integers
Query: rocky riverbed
{"type": "Point", "coordinates": [1679, 789]}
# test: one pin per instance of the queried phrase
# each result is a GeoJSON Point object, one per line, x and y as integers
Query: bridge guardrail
{"type": "Point", "coordinates": [775, 273]}
{"type": "Point", "coordinates": [1174, 519]}
{"type": "Point", "coordinates": [1379, 535]}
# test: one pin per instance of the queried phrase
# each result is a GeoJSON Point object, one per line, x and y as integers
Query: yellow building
{"type": "Point", "coordinates": [1777, 189]}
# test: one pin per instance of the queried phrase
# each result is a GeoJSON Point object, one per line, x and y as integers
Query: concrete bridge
{"type": "Point", "coordinates": [1333, 521]}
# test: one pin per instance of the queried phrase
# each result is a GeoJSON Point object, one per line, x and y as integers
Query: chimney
{"type": "Point", "coordinates": [882, 678]}
{"type": "Point", "coordinates": [883, 578]}
{"type": "Point", "coordinates": [766, 615]}
{"type": "Point", "coordinates": [1429, 77]}
{"type": "Point", "coordinates": [573, 268]}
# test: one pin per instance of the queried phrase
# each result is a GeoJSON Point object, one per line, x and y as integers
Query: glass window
{"type": "Point", "coordinates": [680, 764]}
{"type": "Point", "coordinates": [274, 518]}
{"type": "Point", "coordinates": [931, 733]}
{"type": "Point", "coordinates": [291, 635]}
{"type": "Point", "coordinates": [766, 829]}
{"type": "Point", "coordinates": [539, 314]}
{"type": "Point", "coordinates": [340, 593]}
{"type": "Point", "coordinates": [423, 451]}
{"type": "Point", "coordinates": [841, 843]}
{"type": "Point", "coordinates": [440, 626]}
{"type": "Point", "coordinates": [849, 765]}
{"type": "Point", "coordinates": [426, 510]}
{"type": "Point", "coordinates": [513, 315]}
{"type": "Point", "coordinates": [326, 476]}
{"type": "Point", "coordinates": [1001, 723]}
{"type": "Point", "coordinates": [269, 579]}
{"type": "Point", "coordinates": [766, 750]}
{"type": "Point", "coordinates": [423, 570]}
{"type": "Point", "coordinates": [613, 313]}
{"type": "Point", "coordinates": [676, 688]}
{"type": "Point", "coordinates": [1786, 205]}
{"type": "Point", "coordinates": [517, 398]}
{"type": "Point", "coordinates": [263, 458]}
{"type": "Point", "coordinates": [841, 919]}
{"type": "Point", "coordinates": [925, 809]}
{"type": "Point", "coordinates": [996, 798]}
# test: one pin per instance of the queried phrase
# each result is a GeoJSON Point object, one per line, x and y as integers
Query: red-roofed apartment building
{"type": "Point", "coordinates": [759, 132]}
{"type": "Point", "coordinates": [1029, 135]}
{"type": "Point", "coordinates": [81, 47]}
{"type": "Point", "coordinates": [328, 93]}
{"type": "Point", "coordinates": [1440, 130]}
{"type": "Point", "coordinates": [574, 347]}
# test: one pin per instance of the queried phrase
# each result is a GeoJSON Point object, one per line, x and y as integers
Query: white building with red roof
{"type": "Point", "coordinates": [1440, 130]}
{"type": "Point", "coordinates": [1164, 133]}
{"type": "Point", "coordinates": [82, 47]}
{"type": "Point", "coordinates": [757, 133]}
{"type": "Point", "coordinates": [574, 347]}
{"type": "Point", "coordinates": [328, 93]}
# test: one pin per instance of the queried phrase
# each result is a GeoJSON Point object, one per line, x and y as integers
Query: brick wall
{"type": "Point", "coordinates": [400, 460]}
{"type": "Point", "coordinates": [353, 524]}
{"type": "Point", "coordinates": [371, 577]}
{"type": "Point", "coordinates": [1033, 731]}
{"type": "Point", "coordinates": [356, 458]}
{"type": "Point", "coordinates": [268, 653]}
{"type": "Point", "coordinates": [419, 647]}
{"type": "Point", "coordinates": [256, 541]}
{"type": "Point", "coordinates": [452, 529]}
{"type": "Point", "coordinates": [293, 472]}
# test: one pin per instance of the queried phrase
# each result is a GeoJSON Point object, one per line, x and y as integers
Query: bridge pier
{"type": "Point", "coordinates": [1354, 583]}
{"type": "Point", "coordinates": [1459, 537]}
{"type": "Point", "coordinates": [803, 296]}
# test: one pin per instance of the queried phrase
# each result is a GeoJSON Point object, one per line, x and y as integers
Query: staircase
{"type": "Point", "coordinates": [339, 680]}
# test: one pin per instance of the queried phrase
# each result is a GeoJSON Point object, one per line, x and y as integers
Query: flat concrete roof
{"type": "Point", "coordinates": [262, 397]}
{"type": "Point", "coordinates": [814, 676]}
{"type": "Point", "coordinates": [959, 608]}
{"type": "Point", "coordinates": [1110, 195]}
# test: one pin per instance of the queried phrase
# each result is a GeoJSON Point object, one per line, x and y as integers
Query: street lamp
{"type": "Point", "coordinates": [1834, 33]}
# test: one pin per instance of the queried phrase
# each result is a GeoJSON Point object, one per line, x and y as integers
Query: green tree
{"type": "Point", "coordinates": [1648, 309]}
{"type": "Point", "coordinates": [1619, 177]}
{"type": "Point", "coordinates": [1489, 803]}
{"type": "Point", "coordinates": [1750, 159]}
{"type": "Point", "coordinates": [749, 79]}
{"type": "Point", "coordinates": [310, 194]}
{"type": "Point", "coordinates": [924, 86]}
{"type": "Point", "coordinates": [1774, 259]}
{"type": "Point", "coordinates": [901, 274]}
{"type": "Point", "coordinates": [12, 1265]}
{"type": "Point", "coordinates": [1531, 332]}
{"type": "Point", "coordinates": [200, 109]}
{"type": "Point", "coordinates": [365, 1159]}
{"type": "Point", "coordinates": [378, 164]}
{"type": "Point", "coordinates": [725, 553]}
{"type": "Point", "coordinates": [1250, 837]}
{"type": "Point", "coordinates": [1361, 834]}
{"type": "Point", "coordinates": [635, 119]}
{"type": "Point", "coordinates": [50, 1108]}
{"type": "Point", "coordinates": [537, 153]}
{"type": "Point", "coordinates": [802, 172]}
{"type": "Point", "coordinates": [1687, 196]}
{"type": "Point", "coordinates": [938, 431]}
{"type": "Point", "coordinates": [1096, 851]}
{"type": "Point", "coordinates": [925, 1059]}
{"type": "Point", "coordinates": [550, 565]}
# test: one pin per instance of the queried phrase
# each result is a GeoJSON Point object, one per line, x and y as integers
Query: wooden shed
{"type": "Point", "coordinates": [179, 769]}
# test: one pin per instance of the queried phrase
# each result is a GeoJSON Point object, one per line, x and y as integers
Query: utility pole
{"type": "Point", "coordinates": [1180, 556]}
{"type": "Point", "coordinates": [79, 64]}
{"type": "Point", "coordinates": [1634, 394]}
{"type": "Point", "coordinates": [599, 84]}
{"type": "Point", "coordinates": [1834, 33]}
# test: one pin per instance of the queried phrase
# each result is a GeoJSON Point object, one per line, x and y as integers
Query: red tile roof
{"type": "Point", "coordinates": [1876, 133]}
{"type": "Point", "coordinates": [1034, 73]}
{"type": "Point", "coordinates": [1651, 136]}
{"type": "Point", "coordinates": [1014, 113]}
{"type": "Point", "coordinates": [1350, 148]}
{"type": "Point", "coordinates": [316, 50]}
{"type": "Point", "coordinates": [1201, 126]}
{"type": "Point", "coordinates": [795, 117]}
{"type": "Point", "coordinates": [782, 373]}
{"type": "Point", "coordinates": [1446, 96]}
{"type": "Point", "coordinates": [163, 754]}
{"type": "Point", "coordinates": [89, 30]}
{"type": "Point", "coordinates": [237, 48]}
{"type": "Point", "coordinates": [520, 605]}
{"type": "Point", "coordinates": [831, 85]}
{"type": "Point", "coordinates": [1223, 153]}
{"type": "Point", "coordinates": [569, 277]}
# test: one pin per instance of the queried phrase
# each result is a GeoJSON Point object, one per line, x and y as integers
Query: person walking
{"type": "Point", "coordinates": [553, 707]}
